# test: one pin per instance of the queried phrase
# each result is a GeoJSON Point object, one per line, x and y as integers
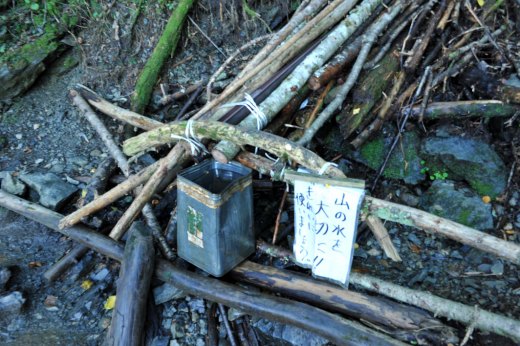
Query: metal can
{"type": "Point", "coordinates": [215, 216]}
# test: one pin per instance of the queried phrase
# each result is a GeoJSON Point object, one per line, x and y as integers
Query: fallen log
{"type": "Point", "coordinates": [465, 109]}
{"type": "Point", "coordinates": [338, 330]}
{"type": "Point", "coordinates": [133, 286]}
{"type": "Point", "coordinates": [403, 321]}
{"type": "Point", "coordinates": [370, 88]}
{"type": "Point", "coordinates": [486, 321]}
{"type": "Point", "coordinates": [162, 51]}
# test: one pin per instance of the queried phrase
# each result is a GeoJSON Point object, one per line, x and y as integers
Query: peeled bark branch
{"type": "Point", "coordinates": [110, 196]}
{"type": "Point", "coordinates": [100, 128]}
{"type": "Point", "coordinates": [428, 222]}
{"type": "Point", "coordinates": [481, 319]}
{"type": "Point", "coordinates": [117, 112]}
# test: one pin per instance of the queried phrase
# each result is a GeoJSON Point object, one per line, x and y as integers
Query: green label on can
{"type": "Point", "coordinates": [195, 232]}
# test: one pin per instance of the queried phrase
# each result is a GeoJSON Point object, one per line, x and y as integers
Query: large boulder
{"type": "Point", "coordinates": [469, 159]}
{"type": "Point", "coordinates": [460, 205]}
{"type": "Point", "coordinates": [53, 191]}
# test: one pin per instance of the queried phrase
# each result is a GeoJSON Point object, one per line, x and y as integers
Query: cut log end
{"type": "Point", "coordinates": [219, 156]}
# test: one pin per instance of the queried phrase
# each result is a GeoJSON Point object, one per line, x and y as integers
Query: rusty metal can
{"type": "Point", "coordinates": [215, 215]}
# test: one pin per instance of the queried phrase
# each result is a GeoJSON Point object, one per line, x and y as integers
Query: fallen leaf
{"type": "Point", "coordinates": [481, 3]}
{"type": "Point", "coordinates": [87, 284]}
{"type": "Point", "coordinates": [110, 303]}
{"type": "Point", "coordinates": [414, 248]}
{"type": "Point", "coordinates": [35, 264]}
{"type": "Point", "coordinates": [356, 111]}
{"type": "Point", "coordinates": [50, 301]}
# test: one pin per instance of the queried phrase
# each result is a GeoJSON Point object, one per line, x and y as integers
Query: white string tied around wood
{"type": "Point", "coordinates": [196, 145]}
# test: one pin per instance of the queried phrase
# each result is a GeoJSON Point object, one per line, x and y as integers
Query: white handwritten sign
{"type": "Point", "coordinates": [325, 218]}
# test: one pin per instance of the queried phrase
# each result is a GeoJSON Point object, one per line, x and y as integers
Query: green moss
{"type": "Point", "coordinates": [403, 163]}
{"type": "Point", "coordinates": [483, 189]}
{"type": "Point", "coordinates": [9, 119]}
{"type": "Point", "coordinates": [38, 49]}
{"type": "Point", "coordinates": [166, 46]}
{"type": "Point", "coordinates": [373, 152]}
{"type": "Point", "coordinates": [464, 217]}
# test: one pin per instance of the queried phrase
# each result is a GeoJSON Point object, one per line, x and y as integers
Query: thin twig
{"type": "Point", "coordinates": [400, 131]}
{"type": "Point", "coordinates": [207, 37]}
{"type": "Point", "coordinates": [225, 320]}
{"type": "Point", "coordinates": [279, 216]}
{"type": "Point", "coordinates": [230, 59]}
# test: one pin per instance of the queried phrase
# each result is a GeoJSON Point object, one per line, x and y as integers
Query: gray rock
{"type": "Point", "coordinates": [281, 334]}
{"type": "Point", "coordinates": [484, 268]}
{"type": "Point", "coordinates": [166, 292]}
{"type": "Point", "coordinates": [455, 254]}
{"type": "Point", "coordinates": [53, 191]}
{"type": "Point", "coordinates": [497, 268]}
{"type": "Point", "coordinates": [10, 304]}
{"type": "Point", "coordinates": [5, 275]}
{"type": "Point", "coordinates": [468, 159]}
{"type": "Point", "coordinates": [414, 239]}
{"type": "Point", "coordinates": [409, 199]}
{"type": "Point", "coordinates": [13, 185]}
{"type": "Point", "coordinates": [462, 205]}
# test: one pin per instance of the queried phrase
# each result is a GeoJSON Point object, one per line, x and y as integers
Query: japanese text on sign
{"type": "Point", "coordinates": [326, 218]}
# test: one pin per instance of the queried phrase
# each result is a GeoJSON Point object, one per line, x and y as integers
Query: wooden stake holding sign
{"type": "Point", "coordinates": [326, 213]}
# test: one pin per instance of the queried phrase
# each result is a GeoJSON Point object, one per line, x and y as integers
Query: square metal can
{"type": "Point", "coordinates": [215, 216]}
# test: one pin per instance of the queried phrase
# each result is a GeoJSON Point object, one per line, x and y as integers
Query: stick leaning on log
{"type": "Point", "coordinates": [330, 326]}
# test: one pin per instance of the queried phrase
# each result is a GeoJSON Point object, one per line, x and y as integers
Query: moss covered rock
{"type": "Point", "coordinates": [20, 68]}
{"type": "Point", "coordinates": [471, 160]}
{"type": "Point", "coordinates": [404, 163]}
{"type": "Point", "coordinates": [459, 205]}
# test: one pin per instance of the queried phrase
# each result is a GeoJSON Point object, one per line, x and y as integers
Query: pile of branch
{"type": "Point", "coordinates": [325, 48]}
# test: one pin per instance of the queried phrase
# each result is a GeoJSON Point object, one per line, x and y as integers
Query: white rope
{"type": "Point", "coordinates": [189, 136]}
{"type": "Point", "coordinates": [271, 158]}
{"type": "Point", "coordinates": [249, 103]}
{"type": "Point", "coordinates": [325, 166]}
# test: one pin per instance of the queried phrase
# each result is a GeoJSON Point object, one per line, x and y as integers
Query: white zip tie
{"type": "Point", "coordinates": [325, 166]}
